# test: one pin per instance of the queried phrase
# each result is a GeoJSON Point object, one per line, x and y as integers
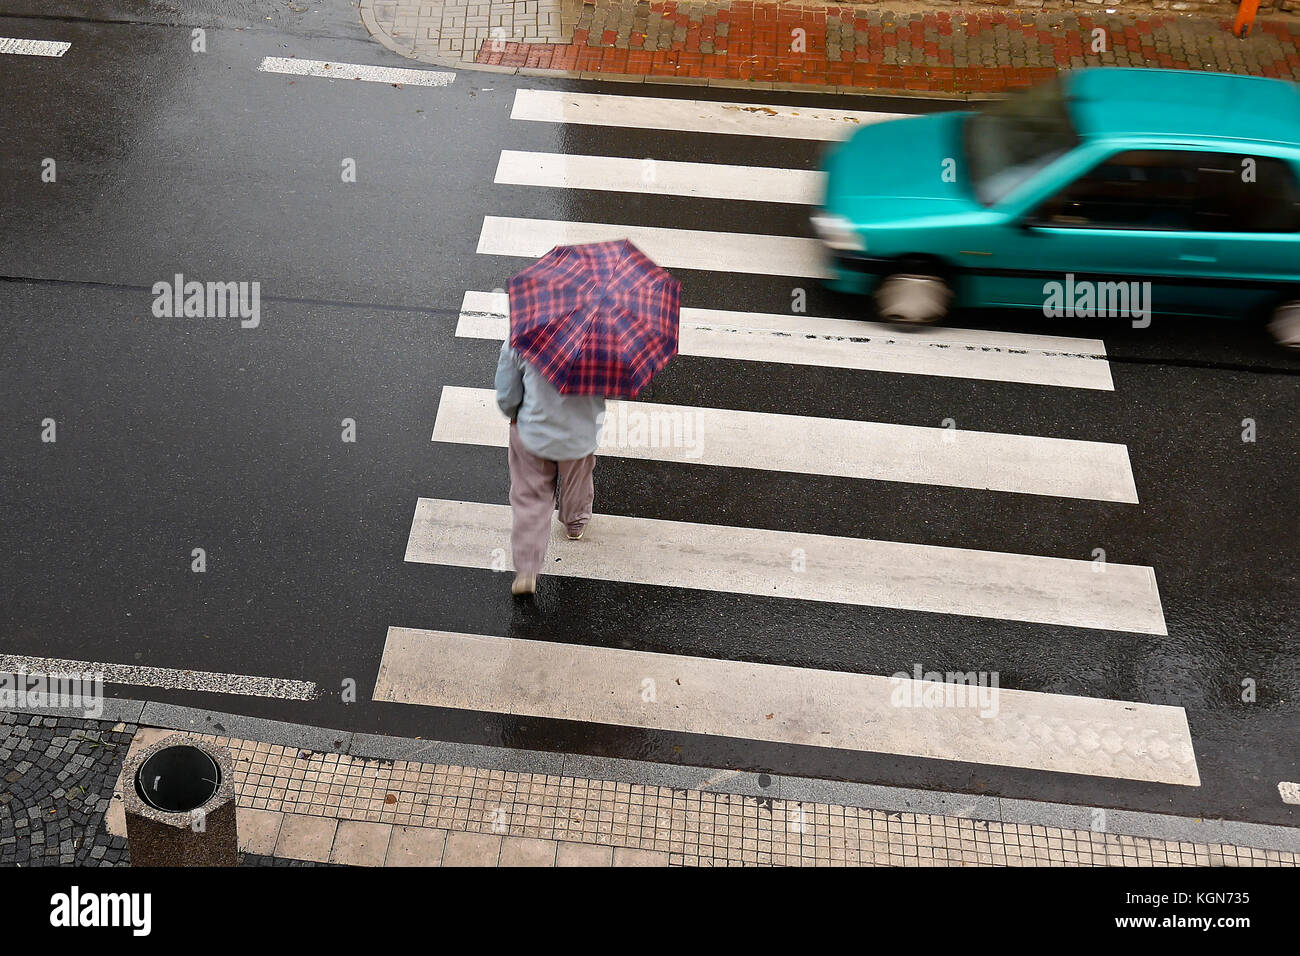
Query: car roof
{"type": "Point", "coordinates": [1171, 105]}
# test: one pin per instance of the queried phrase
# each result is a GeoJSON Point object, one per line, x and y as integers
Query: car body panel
{"type": "Point", "coordinates": [888, 181]}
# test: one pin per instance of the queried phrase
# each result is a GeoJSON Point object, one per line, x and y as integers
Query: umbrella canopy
{"type": "Point", "coordinates": [595, 319]}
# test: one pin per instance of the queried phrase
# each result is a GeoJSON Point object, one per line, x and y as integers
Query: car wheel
{"type": "Point", "coordinates": [1284, 326]}
{"type": "Point", "coordinates": [912, 299]}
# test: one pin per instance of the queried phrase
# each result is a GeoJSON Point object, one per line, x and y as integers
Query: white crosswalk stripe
{"type": "Point", "coordinates": [661, 178]}
{"type": "Point", "coordinates": [825, 446]}
{"type": "Point", "coordinates": [691, 116]}
{"type": "Point", "coordinates": [791, 705]}
{"type": "Point", "coordinates": [671, 248]}
{"type": "Point", "coordinates": [854, 344]}
{"type": "Point", "coordinates": [810, 567]}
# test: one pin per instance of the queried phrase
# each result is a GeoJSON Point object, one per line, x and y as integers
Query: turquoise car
{"type": "Point", "coordinates": [1108, 192]}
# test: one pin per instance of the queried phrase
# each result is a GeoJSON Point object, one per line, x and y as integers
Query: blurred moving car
{"type": "Point", "coordinates": [1087, 192]}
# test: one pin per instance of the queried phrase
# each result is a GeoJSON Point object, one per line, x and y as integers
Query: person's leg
{"type": "Point", "coordinates": [577, 492]}
{"type": "Point", "coordinates": [532, 501]}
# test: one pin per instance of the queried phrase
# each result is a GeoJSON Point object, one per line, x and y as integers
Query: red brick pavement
{"type": "Point", "coordinates": [978, 52]}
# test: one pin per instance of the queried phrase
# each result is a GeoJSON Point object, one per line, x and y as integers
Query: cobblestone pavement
{"type": "Point", "coordinates": [739, 42]}
{"type": "Point", "coordinates": [56, 783]}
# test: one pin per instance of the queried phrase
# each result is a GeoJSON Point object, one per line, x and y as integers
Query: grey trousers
{"type": "Point", "coordinates": [533, 498]}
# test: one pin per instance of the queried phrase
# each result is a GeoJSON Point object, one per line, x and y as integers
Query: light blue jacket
{"type": "Point", "coordinates": [552, 426]}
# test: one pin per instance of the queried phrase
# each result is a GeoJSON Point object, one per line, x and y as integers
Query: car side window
{"type": "Point", "coordinates": [1244, 193]}
{"type": "Point", "coordinates": [1139, 189]}
{"type": "Point", "coordinates": [1179, 190]}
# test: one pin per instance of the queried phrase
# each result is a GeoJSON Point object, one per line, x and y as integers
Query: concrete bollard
{"type": "Point", "coordinates": [179, 797]}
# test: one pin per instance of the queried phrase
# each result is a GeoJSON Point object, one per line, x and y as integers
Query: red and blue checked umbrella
{"type": "Point", "coordinates": [595, 319]}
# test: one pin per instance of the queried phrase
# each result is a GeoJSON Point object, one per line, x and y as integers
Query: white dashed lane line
{"type": "Point", "coordinates": [169, 677]}
{"type": "Point", "coordinates": [24, 47]}
{"type": "Point", "coordinates": [355, 71]}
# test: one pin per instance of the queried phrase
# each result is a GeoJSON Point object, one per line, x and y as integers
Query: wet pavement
{"type": "Point", "coordinates": [175, 434]}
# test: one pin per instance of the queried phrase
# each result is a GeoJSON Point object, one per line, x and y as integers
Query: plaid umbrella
{"type": "Point", "coordinates": [595, 319]}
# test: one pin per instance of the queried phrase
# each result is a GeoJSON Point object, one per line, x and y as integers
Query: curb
{"type": "Point", "coordinates": [729, 84]}
{"type": "Point", "coordinates": [372, 27]}
{"type": "Point", "coordinates": [885, 798]}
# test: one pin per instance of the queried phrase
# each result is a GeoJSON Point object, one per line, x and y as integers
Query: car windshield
{"type": "Point", "coordinates": [1010, 140]}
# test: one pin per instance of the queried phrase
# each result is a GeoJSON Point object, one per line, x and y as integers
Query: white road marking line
{"type": "Point", "coordinates": [169, 677]}
{"type": "Point", "coordinates": [853, 344]}
{"type": "Point", "coordinates": [879, 451]}
{"type": "Point", "coordinates": [788, 705]}
{"type": "Point", "coordinates": [671, 248]}
{"type": "Point", "coordinates": [692, 116]}
{"type": "Point", "coordinates": [355, 71]}
{"type": "Point", "coordinates": [810, 567]}
{"type": "Point", "coordinates": [661, 178]}
{"type": "Point", "coordinates": [25, 47]}
{"type": "Point", "coordinates": [1290, 792]}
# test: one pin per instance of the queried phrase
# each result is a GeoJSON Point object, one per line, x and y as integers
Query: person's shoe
{"type": "Point", "coordinates": [524, 584]}
{"type": "Point", "coordinates": [575, 535]}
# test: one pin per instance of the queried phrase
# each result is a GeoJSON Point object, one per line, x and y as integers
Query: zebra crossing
{"type": "Point", "coordinates": [795, 705]}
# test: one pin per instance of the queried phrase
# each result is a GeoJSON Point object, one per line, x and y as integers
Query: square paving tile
{"type": "Point", "coordinates": [258, 830]}
{"type": "Point", "coordinates": [416, 846]}
{"type": "Point", "coordinates": [306, 838]}
{"type": "Point", "coordinates": [361, 844]}
{"type": "Point", "coordinates": [583, 854]}
{"type": "Point", "coordinates": [524, 851]}
{"type": "Point", "coordinates": [472, 849]}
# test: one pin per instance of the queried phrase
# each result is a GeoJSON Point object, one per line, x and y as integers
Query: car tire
{"type": "Point", "coordinates": [1284, 325]}
{"type": "Point", "coordinates": [912, 299]}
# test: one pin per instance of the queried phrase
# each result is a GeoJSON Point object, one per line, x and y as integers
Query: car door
{"type": "Point", "coordinates": [1123, 222]}
{"type": "Point", "coordinates": [1179, 230]}
{"type": "Point", "coordinates": [1244, 247]}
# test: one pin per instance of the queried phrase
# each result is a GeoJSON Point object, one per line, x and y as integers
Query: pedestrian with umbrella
{"type": "Point", "coordinates": [587, 322]}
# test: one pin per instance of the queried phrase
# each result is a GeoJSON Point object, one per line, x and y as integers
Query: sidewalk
{"type": "Point", "coordinates": [308, 796]}
{"type": "Point", "coordinates": [819, 46]}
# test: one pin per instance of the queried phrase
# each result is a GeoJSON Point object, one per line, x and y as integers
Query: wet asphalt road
{"type": "Point", "coordinates": [176, 434]}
